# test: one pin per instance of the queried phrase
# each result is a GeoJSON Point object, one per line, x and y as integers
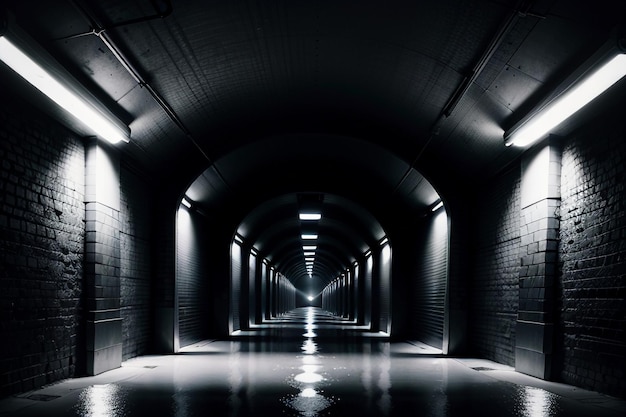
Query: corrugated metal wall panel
{"type": "Point", "coordinates": [192, 271]}
{"type": "Point", "coordinates": [428, 286]}
{"type": "Point", "coordinates": [367, 291]}
{"type": "Point", "coordinates": [235, 289]}
{"type": "Point", "coordinates": [384, 282]}
{"type": "Point", "coordinates": [252, 290]}
{"type": "Point", "coordinates": [357, 305]}
{"type": "Point", "coordinates": [262, 291]}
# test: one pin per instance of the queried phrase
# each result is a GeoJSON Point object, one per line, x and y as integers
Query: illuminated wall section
{"type": "Point", "coordinates": [539, 233]}
{"type": "Point", "coordinates": [192, 276]}
{"type": "Point", "coordinates": [102, 258]}
{"type": "Point", "coordinates": [428, 281]}
{"type": "Point", "coordinates": [236, 271]}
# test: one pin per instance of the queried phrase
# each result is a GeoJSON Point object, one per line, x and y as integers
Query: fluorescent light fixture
{"type": "Point", "coordinates": [186, 202]}
{"type": "Point", "coordinates": [385, 240]}
{"type": "Point", "coordinates": [59, 92]}
{"type": "Point", "coordinates": [311, 253]}
{"type": "Point", "coordinates": [310, 275]}
{"type": "Point", "coordinates": [309, 247]}
{"type": "Point", "coordinates": [437, 206]}
{"type": "Point", "coordinates": [583, 90]}
{"type": "Point", "coordinates": [367, 253]}
{"type": "Point", "coordinates": [310, 216]}
{"type": "Point", "coordinates": [254, 251]}
{"type": "Point", "coordinates": [309, 258]}
{"type": "Point", "coordinates": [238, 239]}
{"type": "Point", "coordinates": [309, 236]}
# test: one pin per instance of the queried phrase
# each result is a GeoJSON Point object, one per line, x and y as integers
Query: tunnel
{"type": "Point", "coordinates": [312, 208]}
{"type": "Point", "coordinates": [355, 230]}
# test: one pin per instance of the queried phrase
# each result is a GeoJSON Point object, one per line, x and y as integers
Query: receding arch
{"type": "Point", "coordinates": [380, 196]}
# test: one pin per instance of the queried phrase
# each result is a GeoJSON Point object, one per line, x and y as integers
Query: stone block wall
{"type": "Point", "coordinates": [592, 332]}
{"type": "Point", "coordinates": [41, 249]}
{"type": "Point", "coordinates": [495, 269]}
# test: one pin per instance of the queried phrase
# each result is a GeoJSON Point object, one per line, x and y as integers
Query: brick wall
{"type": "Point", "coordinates": [495, 270]}
{"type": "Point", "coordinates": [593, 260]}
{"type": "Point", "coordinates": [136, 263]}
{"type": "Point", "coordinates": [41, 249]}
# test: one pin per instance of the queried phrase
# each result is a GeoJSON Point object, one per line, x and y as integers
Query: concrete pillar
{"type": "Point", "coordinates": [539, 223]}
{"type": "Point", "coordinates": [102, 258]}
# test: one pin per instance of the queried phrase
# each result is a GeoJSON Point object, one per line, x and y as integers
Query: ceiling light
{"type": "Point", "coordinates": [596, 76]}
{"type": "Point", "coordinates": [310, 216]}
{"type": "Point", "coordinates": [309, 247]}
{"type": "Point", "coordinates": [40, 70]}
{"type": "Point", "coordinates": [384, 241]}
{"type": "Point", "coordinates": [309, 236]}
{"type": "Point", "coordinates": [186, 202]}
{"type": "Point", "coordinates": [437, 206]}
{"type": "Point", "coordinates": [309, 253]}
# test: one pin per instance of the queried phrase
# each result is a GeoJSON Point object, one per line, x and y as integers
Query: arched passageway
{"type": "Point", "coordinates": [110, 251]}
{"type": "Point", "coordinates": [366, 199]}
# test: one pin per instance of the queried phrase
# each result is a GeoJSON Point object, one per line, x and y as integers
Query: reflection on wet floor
{"type": "Point", "coordinates": [309, 368]}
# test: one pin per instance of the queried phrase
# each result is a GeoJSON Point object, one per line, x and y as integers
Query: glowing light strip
{"type": "Point", "coordinates": [570, 102]}
{"type": "Point", "coordinates": [310, 216]}
{"type": "Point", "coordinates": [437, 206]}
{"type": "Point", "coordinates": [28, 69]}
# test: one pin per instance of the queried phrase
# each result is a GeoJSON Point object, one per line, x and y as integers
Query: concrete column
{"type": "Point", "coordinates": [539, 223]}
{"type": "Point", "coordinates": [102, 258]}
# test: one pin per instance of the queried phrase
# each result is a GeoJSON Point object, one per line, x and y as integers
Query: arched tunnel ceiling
{"type": "Point", "coordinates": [353, 183]}
{"type": "Point", "coordinates": [345, 231]}
{"type": "Point", "coordinates": [254, 102]}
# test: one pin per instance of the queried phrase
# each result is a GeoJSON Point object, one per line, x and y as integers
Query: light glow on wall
{"type": "Point", "coordinates": [386, 253]}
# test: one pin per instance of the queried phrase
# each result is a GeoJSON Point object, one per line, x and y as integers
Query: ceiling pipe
{"type": "Point", "coordinates": [159, 15]}
{"type": "Point", "coordinates": [520, 11]}
{"type": "Point", "coordinates": [101, 33]}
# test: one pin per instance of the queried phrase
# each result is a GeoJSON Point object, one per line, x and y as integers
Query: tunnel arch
{"type": "Point", "coordinates": [346, 233]}
{"type": "Point", "coordinates": [377, 192]}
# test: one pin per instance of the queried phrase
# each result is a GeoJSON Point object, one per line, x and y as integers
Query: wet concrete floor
{"type": "Point", "coordinates": [308, 365]}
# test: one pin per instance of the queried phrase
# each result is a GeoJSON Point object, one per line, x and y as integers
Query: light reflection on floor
{"type": "Point", "coordinates": [307, 369]}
